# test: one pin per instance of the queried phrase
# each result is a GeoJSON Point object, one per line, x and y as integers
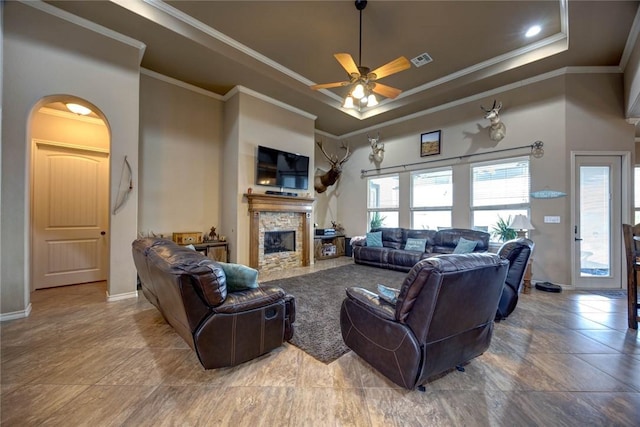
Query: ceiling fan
{"type": "Point", "coordinates": [364, 81]}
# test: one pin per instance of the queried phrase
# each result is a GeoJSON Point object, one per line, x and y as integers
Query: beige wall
{"type": "Point", "coordinates": [567, 113]}
{"type": "Point", "coordinates": [181, 159]}
{"type": "Point", "coordinates": [258, 122]}
{"type": "Point", "coordinates": [90, 66]}
{"type": "Point", "coordinates": [326, 206]}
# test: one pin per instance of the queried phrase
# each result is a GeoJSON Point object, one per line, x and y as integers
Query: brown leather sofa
{"type": "Point", "coordinates": [517, 252]}
{"type": "Point", "coordinates": [224, 328]}
{"type": "Point", "coordinates": [443, 317]}
{"type": "Point", "coordinates": [392, 255]}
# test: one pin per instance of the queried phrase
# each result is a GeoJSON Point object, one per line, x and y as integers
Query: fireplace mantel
{"type": "Point", "coordinates": [260, 203]}
{"type": "Point", "coordinates": [276, 203]}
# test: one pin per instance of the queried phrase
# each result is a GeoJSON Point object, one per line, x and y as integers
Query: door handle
{"type": "Point", "coordinates": [577, 239]}
{"type": "Point", "coordinates": [102, 233]}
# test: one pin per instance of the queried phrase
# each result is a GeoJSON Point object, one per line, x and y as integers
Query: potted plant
{"type": "Point", "coordinates": [502, 231]}
{"type": "Point", "coordinates": [377, 220]}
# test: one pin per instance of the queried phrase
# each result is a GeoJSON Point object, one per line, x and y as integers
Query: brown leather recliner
{"type": "Point", "coordinates": [443, 317]}
{"type": "Point", "coordinates": [225, 328]}
{"type": "Point", "coordinates": [517, 251]}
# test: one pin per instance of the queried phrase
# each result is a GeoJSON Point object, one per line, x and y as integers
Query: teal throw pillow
{"type": "Point", "coordinates": [374, 239]}
{"type": "Point", "coordinates": [465, 246]}
{"type": "Point", "coordinates": [388, 294]}
{"type": "Point", "coordinates": [415, 245]}
{"type": "Point", "coordinates": [239, 276]}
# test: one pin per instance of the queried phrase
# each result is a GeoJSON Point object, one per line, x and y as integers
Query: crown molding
{"type": "Point", "coordinates": [180, 83]}
{"type": "Point", "coordinates": [386, 104]}
{"type": "Point", "coordinates": [210, 31]}
{"type": "Point", "coordinates": [479, 96]}
{"type": "Point", "coordinates": [265, 98]}
{"type": "Point", "coordinates": [84, 23]}
{"type": "Point", "coordinates": [632, 39]}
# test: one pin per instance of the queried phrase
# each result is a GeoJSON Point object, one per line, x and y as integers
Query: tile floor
{"type": "Point", "coordinates": [560, 359]}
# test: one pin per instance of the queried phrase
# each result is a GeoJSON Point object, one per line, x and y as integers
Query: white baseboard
{"type": "Point", "coordinates": [119, 297]}
{"type": "Point", "coordinates": [16, 314]}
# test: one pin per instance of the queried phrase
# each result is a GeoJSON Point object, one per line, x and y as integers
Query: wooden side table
{"type": "Point", "coordinates": [216, 250]}
{"type": "Point", "coordinates": [526, 281]}
{"type": "Point", "coordinates": [329, 246]}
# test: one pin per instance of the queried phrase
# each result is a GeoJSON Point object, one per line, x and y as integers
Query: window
{"type": "Point", "coordinates": [636, 194]}
{"type": "Point", "coordinates": [431, 199]}
{"type": "Point", "coordinates": [499, 191]}
{"type": "Point", "coordinates": [383, 205]}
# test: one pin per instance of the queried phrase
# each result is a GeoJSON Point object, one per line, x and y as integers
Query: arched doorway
{"type": "Point", "coordinates": [69, 193]}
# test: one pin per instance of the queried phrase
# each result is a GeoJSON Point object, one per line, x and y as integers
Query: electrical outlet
{"type": "Point", "coordinates": [552, 219]}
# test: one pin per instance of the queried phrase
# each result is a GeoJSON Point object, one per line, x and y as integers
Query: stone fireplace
{"type": "Point", "coordinates": [279, 231]}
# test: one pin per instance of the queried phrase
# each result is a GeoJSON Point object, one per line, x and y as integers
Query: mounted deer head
{"type": "Point", "coordinates": [498, 130]}
{"type": "Point", "coordinates": [321, 182]}
{"type": "Point", "coordinates": [377, 149]}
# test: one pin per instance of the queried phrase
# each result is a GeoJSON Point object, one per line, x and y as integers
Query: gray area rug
{"type": "Point", "coordinates": [319, 296]}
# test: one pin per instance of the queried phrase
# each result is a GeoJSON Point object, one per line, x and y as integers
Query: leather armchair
{"type": "Point", "coordinates": [443, 317]}
{"type": "Point", "coordinates": [518, 252]}
{"type": "Point", "coordinates": [224, 327]}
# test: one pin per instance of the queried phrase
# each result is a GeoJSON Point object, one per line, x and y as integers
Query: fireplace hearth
{"type": "Point", "coordinates": [279, 241]}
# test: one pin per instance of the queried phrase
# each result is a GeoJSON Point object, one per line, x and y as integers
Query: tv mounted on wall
{"type": "Point", "coordinates": [279, 168]}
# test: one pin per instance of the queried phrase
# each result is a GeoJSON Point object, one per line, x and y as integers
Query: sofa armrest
{"type": "Point", "coordinates": [371, 302]}
{"type": "Point", "coordinates": [250, 299]}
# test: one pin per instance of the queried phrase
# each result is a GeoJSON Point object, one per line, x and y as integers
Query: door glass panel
{"type": "Point", "coordinates": [595, 217]}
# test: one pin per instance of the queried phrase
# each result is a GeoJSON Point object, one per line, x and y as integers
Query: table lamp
{"type": "Point", "coordinates": [521, 224]}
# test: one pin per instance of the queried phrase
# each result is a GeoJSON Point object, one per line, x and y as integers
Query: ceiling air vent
{"type": "Point", "coordinates": [422, 59]}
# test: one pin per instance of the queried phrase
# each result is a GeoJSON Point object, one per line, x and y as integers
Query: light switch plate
{"type": "Point", "coordinates": [552, 219]}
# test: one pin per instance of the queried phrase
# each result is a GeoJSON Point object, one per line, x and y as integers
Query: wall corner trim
{"type": "Point", "coordinates": [16, 314]}
{"type": "Point", "coordinates": [120, 297]}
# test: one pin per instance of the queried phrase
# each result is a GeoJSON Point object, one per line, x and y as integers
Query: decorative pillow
{"type": "Point", "coordinates": [465, 246]}
{"type": "Point", "coordinates": [239, 276]}
{"type": "Point", "coordinates": [415, 245]}
{"type": "Point", "coordinates": [387, 294]}
{"type": "Point", "coordinates": [374, 239]}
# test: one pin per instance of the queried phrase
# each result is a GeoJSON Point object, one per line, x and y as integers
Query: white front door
{"type": "Point", "coordinates": [597, 222]}
{"type": "Point", "coordinates": [70, 214]}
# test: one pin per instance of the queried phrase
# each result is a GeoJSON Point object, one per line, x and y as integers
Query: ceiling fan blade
{"type": "Point", "coordinates": [328, 85]}
{"type": "Point", "coordinates": [347, 63]}
{"type": "Point", "coordinates": [386, 91]}
{"type": "Point", "coordinates": [395, 66]}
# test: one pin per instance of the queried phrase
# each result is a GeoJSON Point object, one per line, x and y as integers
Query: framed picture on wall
{"type": "Point", "coordinates": [430, 143]}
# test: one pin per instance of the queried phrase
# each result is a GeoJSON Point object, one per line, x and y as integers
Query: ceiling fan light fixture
{"type": "Point", "coordinates": [348, 102]}
{"type": "Point", "coordinates": [362, 80]}
{"type": "Point", "coordinates": [358, 92]}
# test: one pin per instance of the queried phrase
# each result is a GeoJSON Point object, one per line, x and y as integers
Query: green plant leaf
{"type": "Point", "coordinates": [502, 231]}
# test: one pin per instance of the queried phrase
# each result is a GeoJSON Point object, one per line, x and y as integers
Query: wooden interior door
{"type": "Point", "coordinates": [70, 214]}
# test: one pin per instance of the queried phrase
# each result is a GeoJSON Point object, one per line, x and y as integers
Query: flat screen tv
{"type": "Point", "coordinates": [279, 168]}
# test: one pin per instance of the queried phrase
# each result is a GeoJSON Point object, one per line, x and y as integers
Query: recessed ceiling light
{"type": "Point", "coordinates": [532, 31]}
{"type": "Point", "coordinates": [78, 109]}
